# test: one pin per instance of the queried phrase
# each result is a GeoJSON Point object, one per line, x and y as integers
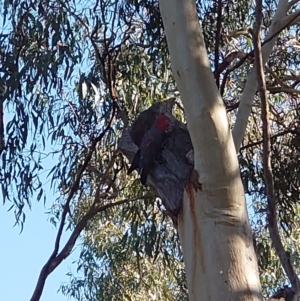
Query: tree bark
{"type": "Point", "coordinates": [213, 225]}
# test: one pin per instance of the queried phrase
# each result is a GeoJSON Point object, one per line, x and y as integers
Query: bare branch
{"type": "Point", "coordinates": [47, 267]}
{"type": "Point", "coordinates": [242, 56]}
{"type": "Point", "coordinates": [295, 78]}
{"type": "Point", "coordinates": [286, 294]}
{"type": "Point", "coordinates": [249, 55]}
{"type": "Point", "coordinates": [292, 2]}
{"type": "Point", "coordinates": [280, 134]}
{"type": "Point", "coordinates": [250, 89]}
{"type": "Point", "coordinates": [54, 261]}
{"type": "Point", "coordinates": [292, 18]}
{"type": "Point", "coordinates": [268, 174]}
{"type": "Point", "coordinates": [65, 252]}
{"type": "Point", "coordinates": [217, 39]}
{"type": "Point", "coordinates": [274, 90]}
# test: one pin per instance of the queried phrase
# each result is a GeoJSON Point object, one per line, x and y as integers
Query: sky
{"type": "Point", "coordinates": [24, 254]}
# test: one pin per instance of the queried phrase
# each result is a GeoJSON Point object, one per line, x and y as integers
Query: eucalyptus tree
{"type": "Point", "coordinates": [74, 75]}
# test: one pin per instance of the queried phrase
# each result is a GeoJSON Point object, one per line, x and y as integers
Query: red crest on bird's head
{"type": "Point", "coordinates": [163, 123]}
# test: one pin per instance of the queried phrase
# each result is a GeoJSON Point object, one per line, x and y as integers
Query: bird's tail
{"type": "Point", "coordinates": [135, 162]}
{"type": "Point", "coordinates": [144, 175]}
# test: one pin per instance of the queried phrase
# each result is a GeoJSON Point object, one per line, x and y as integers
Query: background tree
{"type": "Point", "coordinates": [78, 74]}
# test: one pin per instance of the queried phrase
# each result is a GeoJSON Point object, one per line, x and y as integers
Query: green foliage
{"type": "Point", "coordinates": [131, 252]}
{"type": "Point", "coordinates": [77, 72]}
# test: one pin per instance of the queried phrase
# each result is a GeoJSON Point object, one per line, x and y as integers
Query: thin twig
{"type": "Point", "coordinates": [268, 174]}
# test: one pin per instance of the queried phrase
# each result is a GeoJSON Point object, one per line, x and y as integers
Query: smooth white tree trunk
{"type": "Point", "coordinates": [213, 226]}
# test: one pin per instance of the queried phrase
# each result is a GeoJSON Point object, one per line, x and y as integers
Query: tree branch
{"type": "Point", "coordinates": [226, 62]}
{"type": "Point", "coordinates": [288, 90]}
{"type": "Point", "coordinates": [268, 174]}
{"type": "Point", "coordinates": [106, 60]}
{"type": "Point", "coordinates": [250, 88]}
{"type": "Point", "coordinates": [217, 39]}
{"type": "Point", "coordinates": [288, 131]}
{"type": "Point", "coordinates": [292, 18]}
{"type": "Point", "coordinates": [288, 21]}
{"type": "Point", "coordinates": [53, 262]}
{"type": "Point", "coordinates": [47, 267]}
{"type": "Point", "coordinates": [292, 2]}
